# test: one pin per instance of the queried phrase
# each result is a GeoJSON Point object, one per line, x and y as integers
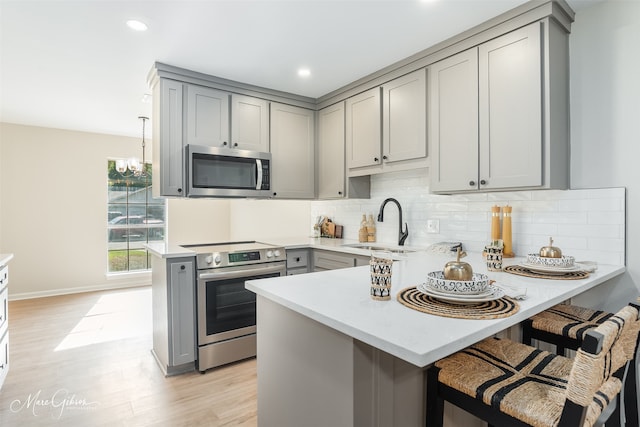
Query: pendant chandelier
{"type": "Point", "coordinates": [133, 166]}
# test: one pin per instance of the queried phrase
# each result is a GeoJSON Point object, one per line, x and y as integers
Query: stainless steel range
{"type": "Point", "coordinates": [226, 311]}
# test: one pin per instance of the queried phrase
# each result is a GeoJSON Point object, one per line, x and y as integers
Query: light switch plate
{"type": "Point", "coordinates": [433, 226]}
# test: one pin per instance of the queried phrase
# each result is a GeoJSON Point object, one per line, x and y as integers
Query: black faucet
{"type": "Point", "coordinates": [402, 235]}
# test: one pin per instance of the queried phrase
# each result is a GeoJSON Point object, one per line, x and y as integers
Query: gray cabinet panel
{"type": "Point", "coordinates": [207, 116]}
{"type": "Point", "coordinates": [363, 129]}
{"type": "Point", "coordinates": [167, 153]}
{"type": "Point", "coordinates": [453, 91]}
{"type": "Point", "coordinates": [249, 123]}
{"type": "Point", "coordinates": [292, 152]}
{"type": "Point", "coordinates": [331, 148]}
{"type": "Point", "coordinates": [326, 260]}
{"type": "Point", "coordinates": [404, 118]}
{"type": "Point", "coordinates": [174, 320]}
{"type": "Point", "coordinates": [510, 85]}
{"type": "Point", "coordinates": [182, 303]}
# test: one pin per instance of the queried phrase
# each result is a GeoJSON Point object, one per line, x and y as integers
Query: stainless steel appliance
{"type": "Point", "coordinates": [227, 172]}
{"type": "Point", "coordinates": [226, 311]}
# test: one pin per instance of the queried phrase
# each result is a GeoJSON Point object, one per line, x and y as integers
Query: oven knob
{"type": "Point", "coordinates": [269, 254]}
{"type": "Point", "coordinates": [277, 253]}
{"type": "Point", "coordinates": [208, 259]}
{"type": "Point", "coordinates": [217, 259]}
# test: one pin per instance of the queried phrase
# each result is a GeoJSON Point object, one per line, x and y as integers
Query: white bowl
{"type": "Point", "coordinates": [478, 284]}
{"type": "Point", "coordinates": [562, 262]}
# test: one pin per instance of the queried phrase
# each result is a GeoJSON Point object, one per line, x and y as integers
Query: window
{"type": "Point", "coordinates": [134, 218]}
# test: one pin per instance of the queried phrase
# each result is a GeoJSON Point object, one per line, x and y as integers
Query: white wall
{"type": "Point", "coordinates": [196, 221]}
{"type": "Point", "coordinates": [53, 205]}
{"type": "Point", "coordinates": [264, 219]}
{"type": "Point", "coordinates": [605, 112]}
{"type": "Point", "coordinates": [53, 213]}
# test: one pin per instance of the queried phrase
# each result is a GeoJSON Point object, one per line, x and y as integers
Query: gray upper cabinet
{"type": "Point", "coordinates": [167, 153]}
{"type": "Point", "coordinates": [453, 97]}
{"type": "Point", "coordinates": [363, 137]}
{"type": "Point", "coordinates": [191, 114]}
{"type": "Point", "coordinates": [249, 123]}
{"type": "Point", "coordinates": [292, 152]}
{"type": "Point", "coordinates": [404, 112]}
{"type": "Point", "coordinates": [386, 126]}
{"type": "Point", "coordinates": [207, 117]}
{"type": "Point", "coordinates": [493, 122]}
{"type": "Point", "coordinates": [331, 165]}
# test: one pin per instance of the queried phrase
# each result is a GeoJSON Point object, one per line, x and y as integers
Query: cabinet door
{"type": "Point", "coordinates": [510, 84]}
{"type": "Point", "coordinates": [167, 153]}
{"type": "Point", "coordinates": [207, 117]}
{"type": "Point", "coordinates": [331, 167]}
{"type": "Point", "coordinates": [292, 152]}
{"type": "Point", "coordinates": [363, 129]}
{"type": "Point", "coordinates": [404, 123]}
{"type": "Point", "coordinates": [453, 122]}
{"type": "Point", "coordinates": [182, 307]}
{"type": "Point", "coordinates": [249, 123]}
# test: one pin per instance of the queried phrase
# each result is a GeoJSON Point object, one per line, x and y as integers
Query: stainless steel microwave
{"type": "Point", "coordinates": [227, 172]}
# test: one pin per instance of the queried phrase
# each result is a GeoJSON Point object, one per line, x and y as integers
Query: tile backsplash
{"type": "Point", "coordinates": [588, 224]}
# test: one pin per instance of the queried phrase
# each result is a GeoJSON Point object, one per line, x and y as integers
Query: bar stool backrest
{"type": "Point", "coordinates": [597, 370]}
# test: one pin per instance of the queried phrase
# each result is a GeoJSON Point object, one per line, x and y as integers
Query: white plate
{"type": "Point", "coordinates": [434, 292]}
{"type": "Point", "coordinates": [551, 270]}
{"type": "Point", "coordinates": [462, 299]}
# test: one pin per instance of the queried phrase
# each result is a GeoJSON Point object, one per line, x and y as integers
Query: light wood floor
{"type": "Point", "coordinates": [85, 360]}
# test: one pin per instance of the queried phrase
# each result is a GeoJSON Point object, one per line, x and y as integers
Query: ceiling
{"type": "Point", "coordinates": [76, 65]}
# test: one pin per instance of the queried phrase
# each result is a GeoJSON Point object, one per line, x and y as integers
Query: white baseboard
{"type": "Point", "coordinates": [80, 289]}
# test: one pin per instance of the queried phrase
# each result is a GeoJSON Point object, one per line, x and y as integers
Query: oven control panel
{"type": "Point", "coordinates": [228, 259]}
{"type": "Point", "coordinates": [244, 256]}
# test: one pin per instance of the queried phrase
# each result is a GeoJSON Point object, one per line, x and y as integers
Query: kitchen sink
{"type": "Point", "coordinates": [373, 247]}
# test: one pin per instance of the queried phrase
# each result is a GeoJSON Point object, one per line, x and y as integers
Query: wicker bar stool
{"type": "Point", "coordinates": [564, 326]}
{"type": "Point", "coordinates": [507, 383]}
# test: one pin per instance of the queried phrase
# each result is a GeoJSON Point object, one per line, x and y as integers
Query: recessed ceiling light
{"type": "Point", "coordinates": [304, 72]}
{"type": "Point", "coordinates": [136, 25]}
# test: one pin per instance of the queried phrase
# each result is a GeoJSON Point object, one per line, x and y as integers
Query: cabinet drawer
{"type": "Point", "coordinates": [4, 309]}
{"type": "Point", "coordinates": [297, 258]}
{"type": "Point", "coordinates": [4, 276]}
{"type": "Point", "coordinates": [324, 260]}
{"type": "Point", "coordinates": [4, 357]}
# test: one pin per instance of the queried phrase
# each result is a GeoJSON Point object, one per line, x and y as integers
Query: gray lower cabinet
{"type": "Point", "coordinates": [174, 314]}
{"type": "Point", "coordinates": [330, 260]}
{"type": "Point", "coordinates": [298, 261]}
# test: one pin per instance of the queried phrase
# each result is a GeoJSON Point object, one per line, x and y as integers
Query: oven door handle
{"type": "Point", "coordinates": [236, 274]}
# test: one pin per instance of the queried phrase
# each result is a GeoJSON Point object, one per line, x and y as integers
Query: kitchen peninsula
{"type": "Point", "coordinates": [328, 354]}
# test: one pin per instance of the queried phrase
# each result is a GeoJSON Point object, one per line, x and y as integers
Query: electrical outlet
{"type": "Point", "coordinates": [433, 226]}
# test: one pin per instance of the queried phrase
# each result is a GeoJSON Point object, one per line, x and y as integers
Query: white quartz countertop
{"type": "Point", "coordinates": [5, 258]}
{"type": "Point", "coordinates": [340, 300]}
{"type": "Point", "coordinates": [166, 250]}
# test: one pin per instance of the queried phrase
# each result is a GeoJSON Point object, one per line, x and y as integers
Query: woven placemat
{"type": "Point", "coordinates": [496, 309]}
{"type": "Point", "coordinates": [524, 271]}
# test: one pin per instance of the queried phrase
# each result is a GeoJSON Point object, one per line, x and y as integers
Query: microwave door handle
{"type": "Point", "coordinates": [258, 174]}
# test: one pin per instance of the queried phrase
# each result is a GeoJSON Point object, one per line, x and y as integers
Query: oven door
{"type": "Point", "coordinates": [226, 309]}
{"type": "Point", "coordinates": [226, 172]}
